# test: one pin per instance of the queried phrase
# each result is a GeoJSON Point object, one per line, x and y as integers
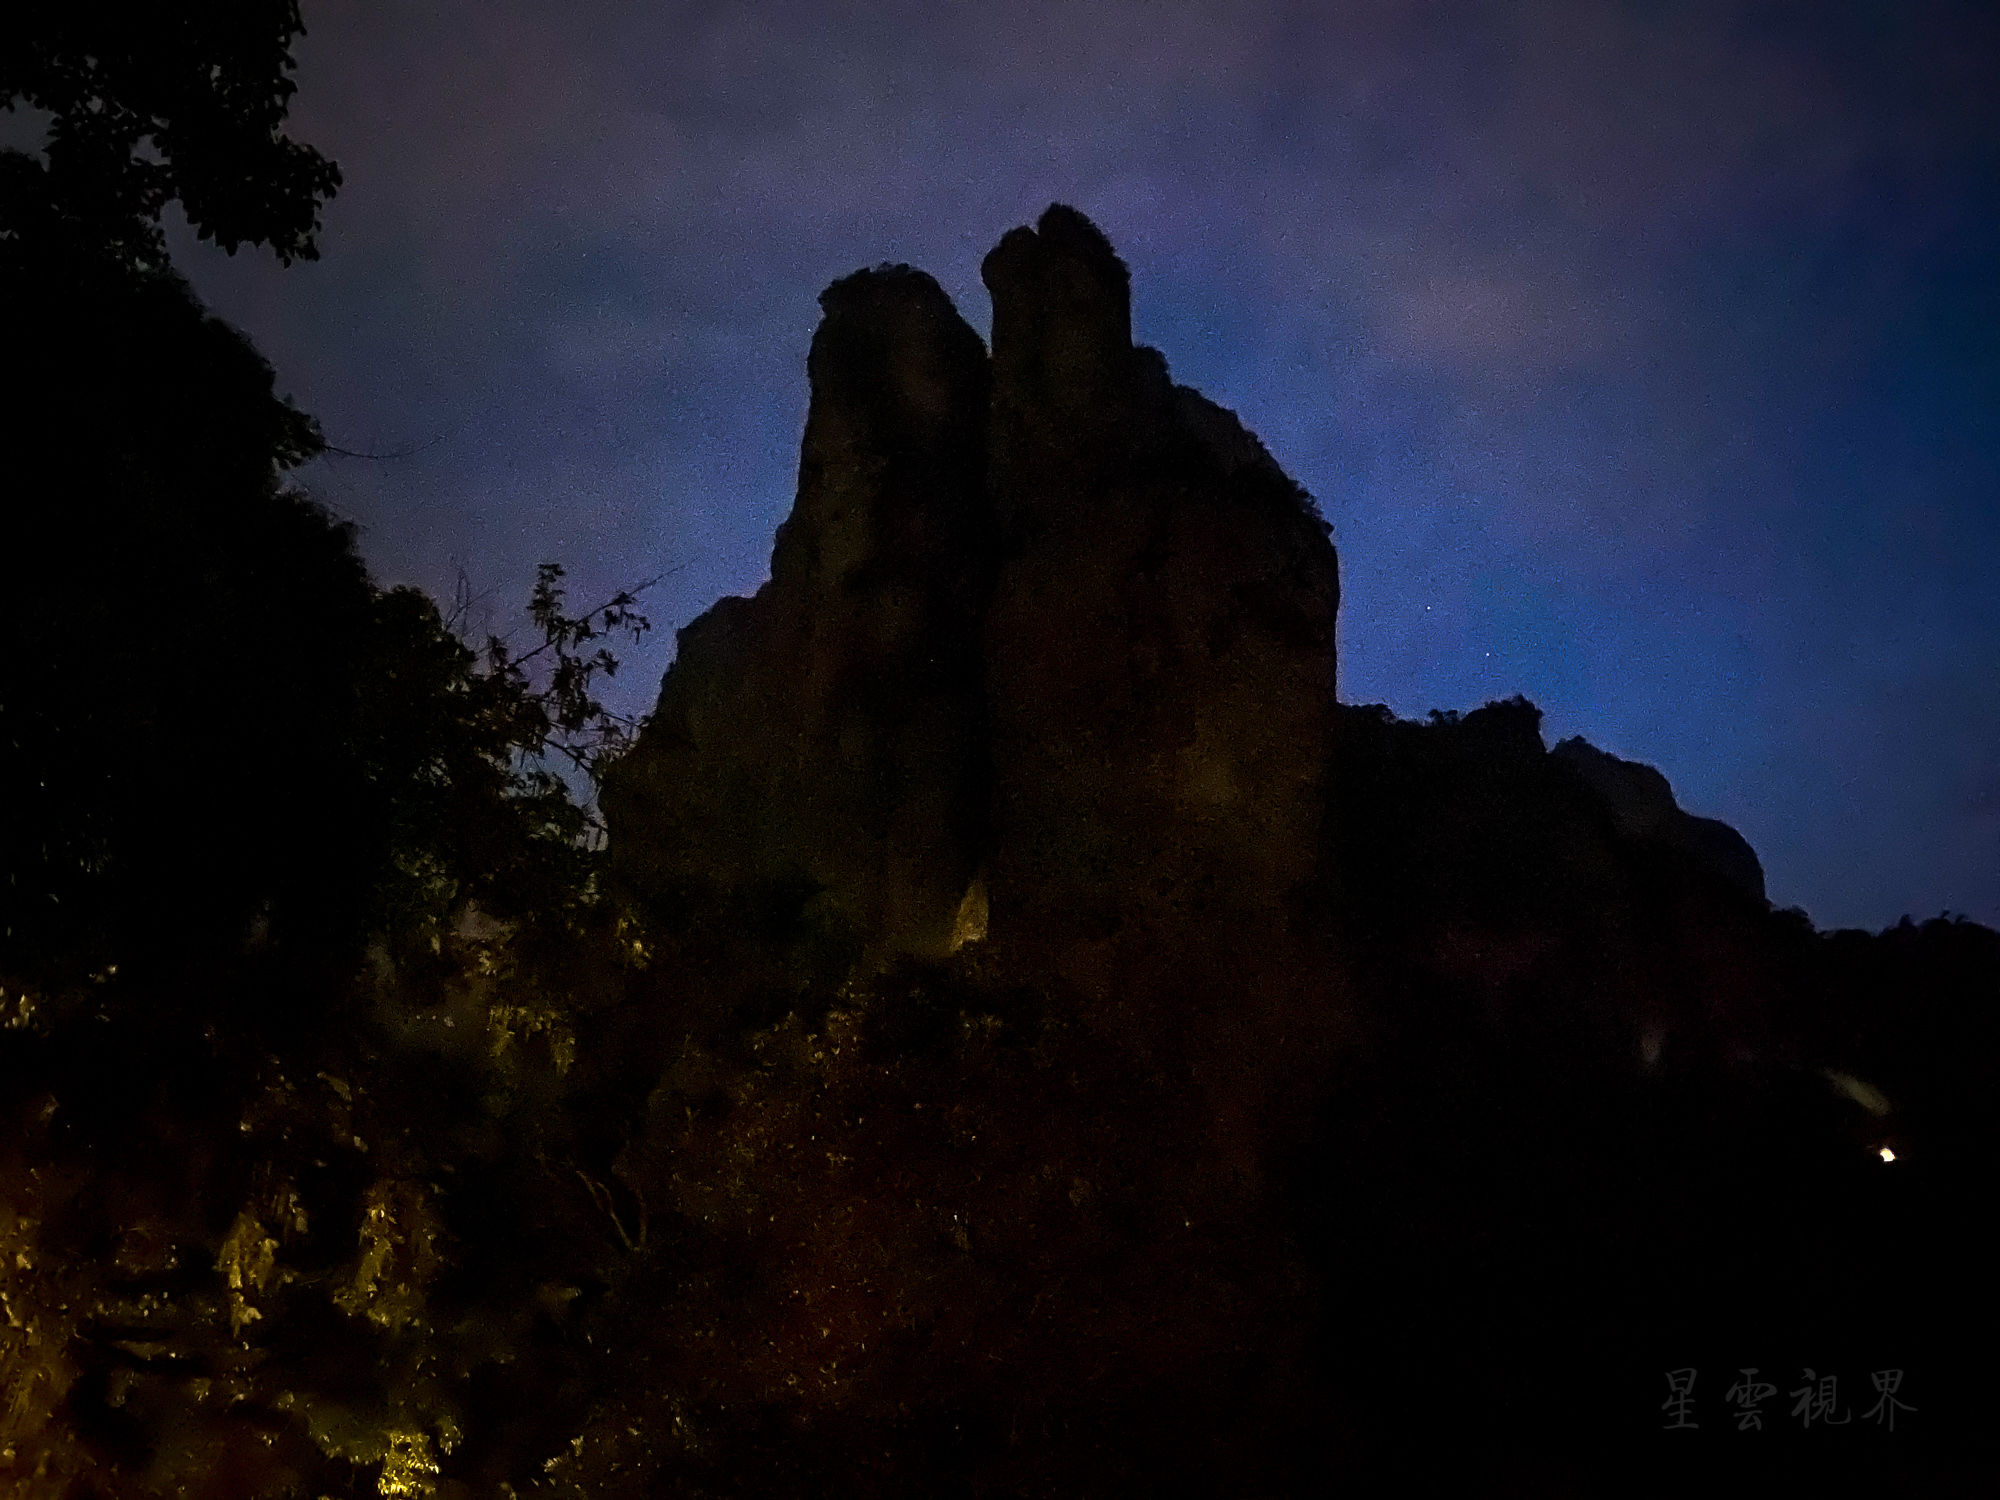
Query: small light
{"type": "Point", "coordinates": [1886, 1154]}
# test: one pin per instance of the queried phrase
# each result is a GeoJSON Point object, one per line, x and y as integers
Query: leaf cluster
{"type": "Point", "coordinates": [562, 715]}
{"type": "Point", "coordinates": [151, 105]}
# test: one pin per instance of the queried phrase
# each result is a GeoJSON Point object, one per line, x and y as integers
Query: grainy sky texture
{"type": "Point", "coordinates": [1642, 356]}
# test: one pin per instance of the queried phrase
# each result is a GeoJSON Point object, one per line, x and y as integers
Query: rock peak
{"type": "Point", "coordinates": [1033, 624]}
{"type": "Point", "coordinates": [1062, 311]}
{"type": "Point", "coordinates": [815, 749]}
{"type": "Point", "coordinates": [882, 290]}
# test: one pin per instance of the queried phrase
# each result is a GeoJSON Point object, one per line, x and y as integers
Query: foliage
{"type": "Point", "coordinates": [178, 682]}
{"type": "Point", "coordinates": [563, 717]}
{"type": "Point", "coordinates": [298, 928]}
{"type": "Point", "coordinates": [244, 1257]}
{"type": "Point", "coordinates": [463, 747]}
{"type": "Point", "coordinates": [151, 105]}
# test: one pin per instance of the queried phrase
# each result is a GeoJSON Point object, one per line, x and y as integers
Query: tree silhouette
{"type": "Point", "coordinates": [262, 824]}
{"type": "Point", "coordinates": [151, 105]}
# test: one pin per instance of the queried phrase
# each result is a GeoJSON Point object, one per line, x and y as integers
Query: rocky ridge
{"type": "Point", "coordinates": [1291, 1066]}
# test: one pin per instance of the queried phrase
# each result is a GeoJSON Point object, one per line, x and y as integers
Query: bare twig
{"type": "Point", "coordinates": [601, 1196]}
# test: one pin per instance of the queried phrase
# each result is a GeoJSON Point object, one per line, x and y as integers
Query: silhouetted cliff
{"type": "Point", "coordinates": [1428, 1052]}
{"type": "Point", "coordinates": [824, 742]}
{"type": "Point", "coordinates": [1064, 630]}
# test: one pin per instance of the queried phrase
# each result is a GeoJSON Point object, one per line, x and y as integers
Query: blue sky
{"type": "Point", "coordinates": [1643, 357]}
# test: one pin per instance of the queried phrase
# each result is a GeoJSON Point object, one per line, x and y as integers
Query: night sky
{"type": "Point", "coordinates": [1642, 356]}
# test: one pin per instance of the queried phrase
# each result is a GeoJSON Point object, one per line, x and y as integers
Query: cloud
{"type": "Point", "coordinates": [1501, 320]}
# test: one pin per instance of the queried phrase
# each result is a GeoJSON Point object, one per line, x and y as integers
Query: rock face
{"type": "Point", "coordinates": [1046, 658]}
{"type": "Point", "coordinates": [1053, 633]}
{"type": "Point", "coordinates": [822, 743]}
{"type": "Point", "coordinates": [1559, 894]}
{"type": "Point", "coordinates": [1644, 807]}
{"type": "Point", "coordinates": [1159, 645]}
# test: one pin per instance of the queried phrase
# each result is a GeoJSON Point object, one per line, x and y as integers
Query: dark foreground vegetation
{"type": "Point", "coordinates": [959, 1114]}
